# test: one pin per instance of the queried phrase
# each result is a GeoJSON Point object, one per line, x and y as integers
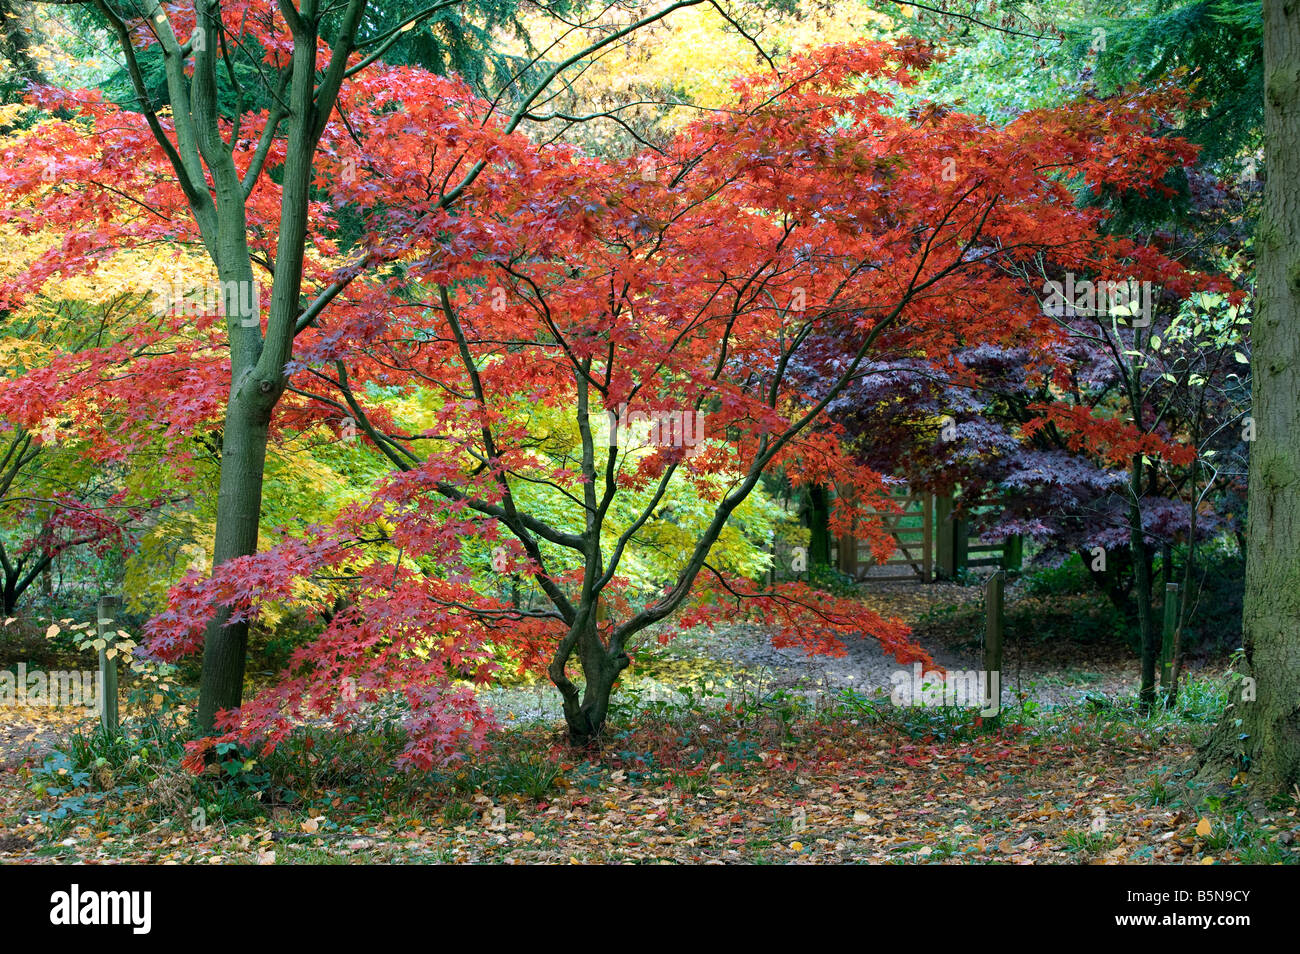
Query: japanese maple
{"type": "Point", "coordinates": [660, 305]}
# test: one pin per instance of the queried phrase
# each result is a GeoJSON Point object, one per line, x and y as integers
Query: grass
{"type": "Point", "coordinates": [1089, 842]}
{"type": "Point", "coordinates": [529, 774]}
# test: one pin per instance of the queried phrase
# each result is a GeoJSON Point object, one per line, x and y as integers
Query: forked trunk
{"type": "Point", "coordinates": [586, 710]}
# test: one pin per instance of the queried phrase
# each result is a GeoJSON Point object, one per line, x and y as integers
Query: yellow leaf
{"type": "Point", "coordinates": [1203, 827]}
{"type": "Point", "coordinates": [52, 631]}
{"type": "Point", "coordinates": [796, 846]}
{"type": "Point", "coordinates": [310, 825]}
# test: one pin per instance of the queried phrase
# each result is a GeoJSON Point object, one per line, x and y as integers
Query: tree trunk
{"type": "Point", "coordinates": [244, 438]}
{"type": "Point", "coordinates": [239, 507]}
{"type": "Point", "coordinates": [1261, 735]}
{"type": "Point", "coordinates": [257, 378]}
{"type": "Point", "coordinates": [586, 715]}
{"type": "Point", "coordinates": [1142, 592]}
{"type": "Point", "coordinates": [16, 582]}
{"type": "Point", "coordinates": [819, 520]}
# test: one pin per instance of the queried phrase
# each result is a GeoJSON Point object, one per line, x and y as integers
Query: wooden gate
{"type": "Point", "coordinates": [912, 559]}
{"type": "Point", "coordinates": [930, 543]}
{"type": "Point", "coordinates": [957, 551]}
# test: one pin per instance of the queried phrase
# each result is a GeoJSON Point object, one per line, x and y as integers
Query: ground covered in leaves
{"type": "Point", "coordinates": [765, 781]}
{"type": "Point", "coordinates": [748, 756]}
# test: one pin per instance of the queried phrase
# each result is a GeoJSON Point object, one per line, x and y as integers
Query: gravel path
{"type": "Point", "coordinates": [740, 660]}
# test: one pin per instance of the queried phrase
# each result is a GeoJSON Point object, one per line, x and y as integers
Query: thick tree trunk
{"type": "Point", "coordinates": [1261, 735]}
{"type": "Point", "coordinates": [257, 363]}
{"type": "Point", "coordinates": [244, 437]}
{"type": "Point", "coordinates": [239, 506]}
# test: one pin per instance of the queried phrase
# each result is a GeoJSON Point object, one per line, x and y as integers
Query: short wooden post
{"type": "Point", "coordinates": [1167, 637]}
{"type": "Point", "coordinates": [993, 622]}
{"type": "Point", "coordinates": [109, 609]}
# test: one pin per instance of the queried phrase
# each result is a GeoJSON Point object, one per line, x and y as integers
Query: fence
{"type": "Point", "coordinates": [930, 542]}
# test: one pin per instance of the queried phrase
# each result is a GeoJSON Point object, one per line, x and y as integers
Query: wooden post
{"type": "Point", "coordinates": [1167, 638]}
{"type": "Point", "coordinates": [927, 538]}
{"type": "Point", "coordinates": [960, 544]}
{"type": "Point", "coordinates": [993, 622]}
{"type": "Point", "coordinates": [109, 609]}
{"type": "Point", "coordinates": [945, 554]}
{"type": "Point", "coordinates": [1013, 552]}
{"type": "Point", "coordinates": [848, 554]}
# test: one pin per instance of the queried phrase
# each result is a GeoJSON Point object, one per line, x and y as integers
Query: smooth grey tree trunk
{"type": "Point", "coordinates": [1150, 648]}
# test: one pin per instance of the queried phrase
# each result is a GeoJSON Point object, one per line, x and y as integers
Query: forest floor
{"type": "Point", "coordinates": [740, 761]}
